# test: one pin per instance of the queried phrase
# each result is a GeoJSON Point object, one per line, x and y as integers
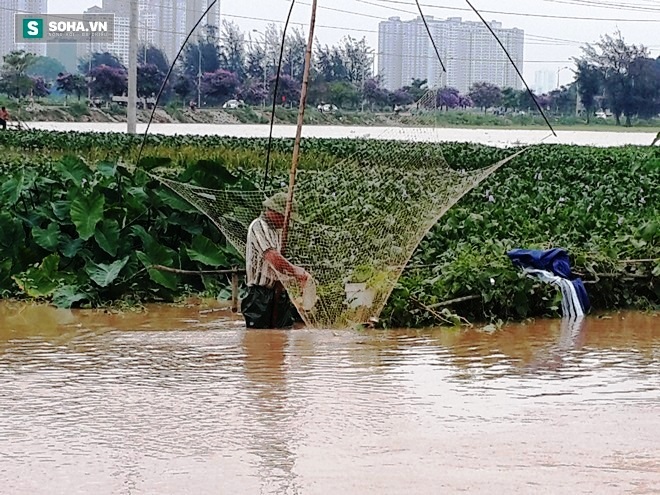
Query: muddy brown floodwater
{"type": "Point", "coordinates": [183, 401]}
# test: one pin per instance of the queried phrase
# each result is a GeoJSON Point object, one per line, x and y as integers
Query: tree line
{"type": "Point", "coordinates": [228, 63]}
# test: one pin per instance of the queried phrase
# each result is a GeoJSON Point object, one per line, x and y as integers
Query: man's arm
{"type": "Point", "coordinates": [282, 265]}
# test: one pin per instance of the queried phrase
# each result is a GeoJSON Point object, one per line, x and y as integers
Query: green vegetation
{"type": "Point", "coordinates": [76, 229]}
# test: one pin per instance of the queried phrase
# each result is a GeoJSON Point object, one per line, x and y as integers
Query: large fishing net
{"type": "Point", "coordinates": [358, 222]}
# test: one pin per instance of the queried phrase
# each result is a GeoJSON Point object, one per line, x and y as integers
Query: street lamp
{"type": "Point", "coordinates": [146, 39]}
{"type": "Point", "coordinates": [199, 74]}
{"type": "Point", "coordinates": [558, 71]}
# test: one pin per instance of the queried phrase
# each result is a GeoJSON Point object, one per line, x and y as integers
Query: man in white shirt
{"type": "Point", "coordinates": [267, 304]}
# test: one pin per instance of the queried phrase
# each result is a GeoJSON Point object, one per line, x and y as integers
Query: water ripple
{"type": "Point", "coordinates": [197, 406]}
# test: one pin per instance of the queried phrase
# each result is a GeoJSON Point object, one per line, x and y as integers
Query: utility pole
{"type": "Point", "coordinates": [132, 67]}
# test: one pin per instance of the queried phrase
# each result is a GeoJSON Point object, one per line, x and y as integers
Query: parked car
{"type": "Point", "coordinates": [233, 104]}
{"type": "Point", "coordinates": [327, 108]}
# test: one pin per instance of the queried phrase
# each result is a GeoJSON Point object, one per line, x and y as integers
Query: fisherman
{"type": "Point", "coordinates": [267, 303]}
{"type": "Point", "coordinates": [4, 118]}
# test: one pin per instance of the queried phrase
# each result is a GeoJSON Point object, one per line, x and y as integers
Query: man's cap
{"type": "Point", "coordinates": [277, 202]}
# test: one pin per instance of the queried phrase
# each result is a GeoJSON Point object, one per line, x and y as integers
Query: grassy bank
{"type": "Point", "coordinates": [78, 230]}
{"type": "Point", "coordinates": [78, 111]}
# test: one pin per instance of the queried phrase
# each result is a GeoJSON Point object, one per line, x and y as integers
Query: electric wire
{"type": "Point", "coordinates": [169, 72]}
{"type": "Point", "coordinates": [378, 3]}
{"type": "Point", "coordinates": [277, 82]}
{"type": "Point", "coordinates": [531, 93]}
{"type": "Point", "coordinates": [428, 30]}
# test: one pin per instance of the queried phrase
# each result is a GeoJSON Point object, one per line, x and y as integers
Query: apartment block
{"type": "Point", "coordinates": [468, 50]}
{"type": "Point", "coordinates": [11, 7]}
{"type": "Point", "coordinates": [162, 23]}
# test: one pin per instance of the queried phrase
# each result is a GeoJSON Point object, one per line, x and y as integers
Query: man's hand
{"type": "Point", "coordinates": [301, 275]}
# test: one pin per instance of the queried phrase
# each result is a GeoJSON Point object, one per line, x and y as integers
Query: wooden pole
{"type": "Point", "coordinates": [301, 115]}
{"type": "Point", "coordinates": [234, 292]}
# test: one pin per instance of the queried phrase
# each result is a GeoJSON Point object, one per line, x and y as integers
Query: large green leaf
{"type": "Point", "coordinates": [5, 272]}
{"type": "Point", "coordinates": [12, 234]}
{"type": "Point", "coordinates": [136, 199]}
{"type": "Point", "coordinates": [210, 173]}
{"type": "Point", "coordinates": [73, 169]}
{"type": "Point", "coordinates": [86, 212]}
{"type": "Point", "coordinates": [103, 274]}
{"type": "Point", "coordinates": [70, 247]}
{"type": "Point", "coordinates": [47, 238]}
{"type": "Point", "coordinates": [61, 209]}
{"type": "Point", "coordinates": [207, 252]}
{"type": "Point", "coordinates": [169, 280]}
{"type": "Point", "coordinates": [42, 280]}
{"type": "Point", "coordinates": [107, 169]}
{"type": "Point", "coordinates": [151, 162]}
{"type": "Point", "coordinates": [155, 254]}
{"type": "Point", "coordinates": [174, 201]}
{"type": "Point", "coordinates": [13, 188]}
{"type": "Point", "coordinates": [107, 236]}
{"type": "Point", "coordinates": [140, 232]}
{"type": "Point", "coordinates": [66, 296]}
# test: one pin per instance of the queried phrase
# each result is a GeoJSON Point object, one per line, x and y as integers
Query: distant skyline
{"type": "Point", "coordinates": [554, 29]}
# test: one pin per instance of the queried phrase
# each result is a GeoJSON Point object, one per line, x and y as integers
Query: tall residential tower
{"type": "Point", "coordinates": [9, 8]}
{"type": "Point", "coordinates": [468, 50]}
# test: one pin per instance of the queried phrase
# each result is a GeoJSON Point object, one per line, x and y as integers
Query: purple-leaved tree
{"type": "Point", "coordinates": [108, 81]}
{"type": "Point", "coordinates": [220, 85]}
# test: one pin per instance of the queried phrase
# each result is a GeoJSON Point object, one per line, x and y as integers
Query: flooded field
{"type": "Point", "coordinates": [493, 137]}
{"type": "Point", "coordinates": [187, 401]}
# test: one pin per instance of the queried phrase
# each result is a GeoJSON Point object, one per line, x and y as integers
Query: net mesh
{"type": "Point", "coordinates": [358, 222]}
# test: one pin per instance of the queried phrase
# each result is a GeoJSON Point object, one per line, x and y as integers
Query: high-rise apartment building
{"type": "Point", "coordinates": [468, 50]}
{"type": "Point", "coordinates": [195, 9]}
{"type": "Point", "coordinates": [168, 18]}
{"type": "Point", "coordinates": [544, 81]}
{"type": "Point", "coordinates": [9, 8]}
{"type": "Point", "coordinates": [162, 23]}
{"type": "Point", "coordinates": [119, 46]}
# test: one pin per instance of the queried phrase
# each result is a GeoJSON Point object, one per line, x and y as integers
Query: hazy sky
{"type": "Point", "coordinates": [569, 23]}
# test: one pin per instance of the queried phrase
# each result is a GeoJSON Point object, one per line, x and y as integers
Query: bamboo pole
{"type": "Point", "coordinates": [234, 292]}
{"type": "Point", "coordinates": [301, 115]}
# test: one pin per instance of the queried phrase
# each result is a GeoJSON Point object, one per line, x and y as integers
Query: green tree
{"type": "Point", "coordinates": [203, 56]}
{"type": "Point", "coordinates": [97, 59]}
{"type": "Point", "coordinates": [15, 81]}
{"type": "Point", "coordinates": [232, 49]}
{"type": "Point", "coordinates": [510, 99]}
{"type": "Point", "coordinates": [615, 60]}
{"type": "Point", "coordinates": [645, 75]}
{"type": "Point", "coordinates": [256, 64]}
{"type": "Point", "coordinates": [149, 80]}
{"type": "Point", "coordinates": [589, 85]}
{"type": "Point", "coordinates": [47, 68]}
{"type": "Point", "coordinates": [563, 100]}
{"type": "Point", "coordinates": [358, 59]}
{"type": "Point", "coordinates": [485, 95]}
{"type": "Point", "coordinates": [343, 94]}
{"type": "Point", "coordinates": [417, 88]}
{"type": "Point", "coordinates": [70, 84]}
{"type": "Point", "coordinates": [154, 55]}
{"type": "Point", "coordinates": [293, 60]}
{"type": "Point", "coordinates": [330, 64]}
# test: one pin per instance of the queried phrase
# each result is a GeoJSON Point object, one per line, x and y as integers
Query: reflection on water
{"type": "Point", "coordinates": [178, 400]}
